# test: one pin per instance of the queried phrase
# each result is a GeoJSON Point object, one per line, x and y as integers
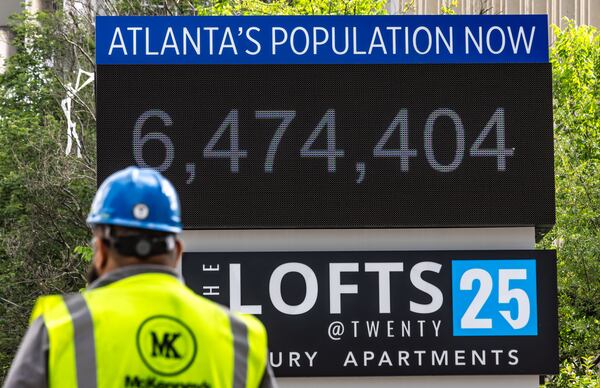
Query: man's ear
{"type": "Point", "coordinates": [100, 255]}
{"type": "Point", "coordinates": [178, 249]}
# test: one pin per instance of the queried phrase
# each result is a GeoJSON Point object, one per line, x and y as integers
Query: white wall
{"type": "Point", "coordinates": [358, 239]}
{"type": "Point", "coordinates": [6, 49]}
{"type": "Point", "coordinates": [582, 11]}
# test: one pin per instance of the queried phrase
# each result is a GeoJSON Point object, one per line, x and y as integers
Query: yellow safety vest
{"type": "Point", "coordinates": [149, 330]}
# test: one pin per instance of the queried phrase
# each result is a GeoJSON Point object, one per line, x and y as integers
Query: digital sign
{"type": "Point", "coordinates": [392, 313]}
{"type": "Point", "coordinates": [334, 141]}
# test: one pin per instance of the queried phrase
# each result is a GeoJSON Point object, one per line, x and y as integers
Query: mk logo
{"type": "Point", "coordinates": [166, 345]}
{"type": "Point", "coordinates": [164, 348]}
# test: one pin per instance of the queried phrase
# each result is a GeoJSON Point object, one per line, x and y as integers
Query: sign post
{"type": "Point", "coordinates": [358, 128]}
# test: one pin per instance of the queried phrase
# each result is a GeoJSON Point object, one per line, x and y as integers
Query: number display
{"type": "Point", "coordinates": [286, 117]}
{"type": "Point", "coordinates": [337, 146]}
{"type": "Point", "coordinates": [234, 154]}
{"type": "Point", "coordinates": [494, 297]}
{"type": "Point", "coordinates": [331, 153]}
{"type": "Point", "coordinates": [139, 141]}
{"type": "Point", "coordinates": [501, 152]}
{"type": "Point", "coordinates": [469, 319]}
{"type": "Point", "coordinates": [404, 152]}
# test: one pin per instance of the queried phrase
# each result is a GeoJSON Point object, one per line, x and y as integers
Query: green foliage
{"type": "Point", "coordinates": [449, 8]}
{"type": "Point", "coordinates": [294, 7]}
{"type": "Point", "coordinates": [45, 194]}
{"type": "Point", "coordinates": [576, 236]}
{"type": "Point", "coordinates": [247, 7]}
{"type": "Point", "coordinates": [581, 373]}
{"type": "Point", "coordinates": [85, 252]}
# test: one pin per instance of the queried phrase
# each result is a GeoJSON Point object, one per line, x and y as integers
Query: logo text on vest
{"type": "Point", "coordinates": [166, 345]}
{"type": "Point", "coordinates": [153, 382]}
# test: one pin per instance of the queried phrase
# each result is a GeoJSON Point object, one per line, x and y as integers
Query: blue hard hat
{"type": "Point", "coordinates": [137, 198]}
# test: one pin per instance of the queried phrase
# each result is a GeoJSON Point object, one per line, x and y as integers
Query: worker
{"type": "Point", "coordinates": [137, 324]}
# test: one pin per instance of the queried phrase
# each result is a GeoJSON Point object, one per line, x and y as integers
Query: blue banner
{"type": "Point", "coordinates": [321, 39]}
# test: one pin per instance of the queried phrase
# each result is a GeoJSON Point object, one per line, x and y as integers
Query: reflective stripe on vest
{"type": "Point", "coordinates": [83, 335]}
{"type": "Point", "coordinates": [75, 356]}
{"type": "Point", "coordinates": [240, 351]}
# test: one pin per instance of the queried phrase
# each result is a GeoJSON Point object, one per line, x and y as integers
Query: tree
{"type": "Point", "coordinates": [45, 194]}
{"type": "Point", "coordinates": [576, 82]}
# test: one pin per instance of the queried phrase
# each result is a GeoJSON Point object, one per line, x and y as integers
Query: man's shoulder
{"type": "Point", "coordinates": [253, 324]}
{"type": "Point", "coordinates": [45, 305]}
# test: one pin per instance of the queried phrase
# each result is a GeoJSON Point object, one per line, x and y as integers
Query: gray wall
{"type": "Point", "coordinates": [7, 8]}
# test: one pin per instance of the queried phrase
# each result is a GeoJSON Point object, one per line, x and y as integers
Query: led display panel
{"type": "Point", "coordinates": [337, 146]}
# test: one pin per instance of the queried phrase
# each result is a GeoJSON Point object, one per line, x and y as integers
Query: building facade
{"type": "Point", "coordinates": [8, 8]}
{"type": "Point", "coordinates": [581, 11]}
